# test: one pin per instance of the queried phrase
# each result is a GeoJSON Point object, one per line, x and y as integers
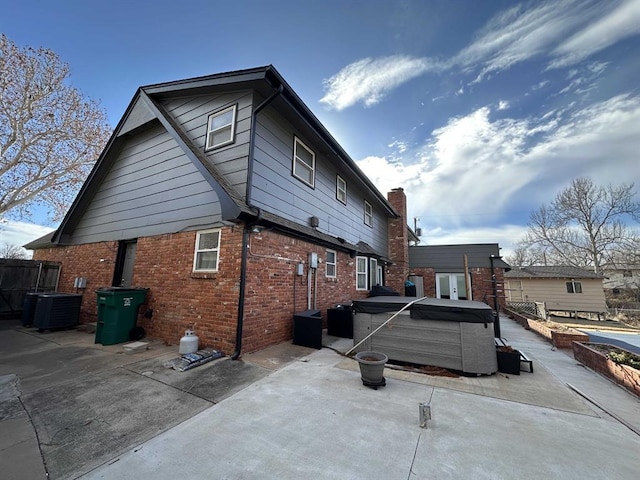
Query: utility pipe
{"type": "Point", "coordinates": [390, 318]}
{"type": "Point", "coordinates": [496, 305]}
{"type": "Point", "coordinates": [247, 228]}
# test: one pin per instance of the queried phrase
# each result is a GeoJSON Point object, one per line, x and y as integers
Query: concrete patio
{"type": "Point", "coordinates": [293, 412]}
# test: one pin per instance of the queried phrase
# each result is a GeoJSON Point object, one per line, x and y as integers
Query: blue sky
{"type": "Point", "coordinates": [481, 110]}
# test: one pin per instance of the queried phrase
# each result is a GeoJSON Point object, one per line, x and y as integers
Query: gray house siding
{"type": "Point", "coordinates": [151, 188]}
{"type": "Point", "coordinates": [275, 189]}
{"type": "Point", "coordinates": [192, 113]}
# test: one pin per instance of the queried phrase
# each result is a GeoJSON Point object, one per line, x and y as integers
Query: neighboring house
{"type": "Point", "coordinates": [439, 271]}
{"type": "Point", "coordinates": [622, 277]}
{"type": "Point", "coordinates": [226, 197]}
{"type": "Point", "coordinates": [560, 288]}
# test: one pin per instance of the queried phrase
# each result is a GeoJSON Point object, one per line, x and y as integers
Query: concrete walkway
{"type": "Point", "coordinates": [314, 419]}
{"type": "Point", "coordinates": [68, 405]}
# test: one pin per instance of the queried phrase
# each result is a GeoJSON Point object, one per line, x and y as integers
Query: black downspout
{"type": "Point", "coordinates": [246, 232]}
{"type": "Point", "coordinates": [496, 305]}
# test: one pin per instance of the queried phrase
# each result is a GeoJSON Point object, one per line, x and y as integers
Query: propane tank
{"type": "Point", "coordinates": [188, 343]}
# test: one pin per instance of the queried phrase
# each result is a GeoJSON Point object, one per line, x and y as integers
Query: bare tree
{"type": "Point", "coordinates": [585, 225]}
{"type": "Point", "coordinates": [12, 251]}
{"type": "Point", "coordinates": [50, 134]}
{"type": "Point", "coordinates": [526, 255]}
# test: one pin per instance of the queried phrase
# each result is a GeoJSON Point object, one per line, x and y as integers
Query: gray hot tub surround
{"type": "Point", "coordinates": [455, 334]}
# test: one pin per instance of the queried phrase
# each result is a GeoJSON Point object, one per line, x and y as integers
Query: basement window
{"type": "Point", "coordinates": [304, 163]}
{"type": "Point", "coordinates": [331, 264]}
{"type": "Point", "coordinates": [221, 128]}
{"type": "Point", "coordinates": [574, 287]}
{"type": "Point", "coordinates": [207, 252]}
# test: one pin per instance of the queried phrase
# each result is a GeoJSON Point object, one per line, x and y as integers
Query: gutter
{"type": "Point", "coordinates": [246, 232]}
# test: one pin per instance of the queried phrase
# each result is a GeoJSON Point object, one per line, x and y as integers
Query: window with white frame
{"type": "Point", "coordinates": [368, 214]}
{"type": "Point", "coordinates": [221, 128]}
{"type": "Point", "coordinates": [373, 269]}
{"type": "Point", "coordinates": [331, 263]}
{"type": "Point", "coordinates": [574, 287]}
{"type": "Point", "coordinates": [380, 276]}
{"type": "Point", "coordinates": [304, 162]}
{"type": "Point", "coordinates": [341, 189]}
{"type": "Point", "coordinates": [362, 279]}
{"type": "Point", "coordinates": [207, 252]}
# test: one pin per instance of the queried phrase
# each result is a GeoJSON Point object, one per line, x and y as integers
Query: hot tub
{"type": "Point", "coordinates": [454, 334]}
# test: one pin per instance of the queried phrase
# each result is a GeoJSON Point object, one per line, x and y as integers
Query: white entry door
{"type": "Point", "coordinates": [451, 285]}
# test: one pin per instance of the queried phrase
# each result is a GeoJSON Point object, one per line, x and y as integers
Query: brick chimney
{"type": "Point", "coordinates": [398, 242]}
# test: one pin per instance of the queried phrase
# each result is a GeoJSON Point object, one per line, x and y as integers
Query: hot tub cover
{"type": "Point", "coordinates": [429, 308]}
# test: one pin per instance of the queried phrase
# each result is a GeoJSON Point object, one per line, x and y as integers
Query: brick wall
{"type": "Point", "coordinates": [209, 302]}
{"type": "Point", "coordinates": [428, 279]}
{"type": "Point", "coordinates": [274, 291]}
{"type": "Point", "coordinates": [623, 375]}
{"type": "Point", "coordinates": [481, 286]}
{"type": "Point", "coordinates": [93, 261]}
{"type": "Point", "coordinates": [398, 242]}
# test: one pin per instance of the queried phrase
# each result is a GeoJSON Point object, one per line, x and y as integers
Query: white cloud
{"type": "Point", "coordinates": [506, 236]}
{"type": "Point", "coordinates": [622, 22]}
{"type": "Point", "coordinates": [475, 170]}
{"type": "Point", "coordinates": [513, 36]}
{"type": "Point", "coordinates": [20, 233]}
{"type": "Point", "coordinates": [503, 105]}
{"type": "Point", "coordinates": [597, 67]}
{"type": "Point", "coordinates": [370, 79]}
{"type": "Point", "coordinates": [517, 34]}
{"type": "Point", "coordinates": [540, 85]}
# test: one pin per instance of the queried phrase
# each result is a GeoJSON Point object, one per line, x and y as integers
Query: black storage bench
{"type": "Point", "coordinates": [340, 321]}
{"type": "Point", "coordinates": [307, 329]}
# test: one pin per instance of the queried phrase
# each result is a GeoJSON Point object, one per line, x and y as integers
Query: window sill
{"type": "Point", "coordinates": [204, 275]}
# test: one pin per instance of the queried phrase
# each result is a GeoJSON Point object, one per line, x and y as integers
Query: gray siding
{"type": "Point", "coordinates": [191, 113]}
{"type": "Point", "coordinates": [151, 188]}
{"type": "Point", "coordinates": [449, 258]}
{"type": "Point", "coordinates": [275, 188]}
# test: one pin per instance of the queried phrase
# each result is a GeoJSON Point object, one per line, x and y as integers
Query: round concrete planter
{"type": "Point", "coordinates": [372, 368]}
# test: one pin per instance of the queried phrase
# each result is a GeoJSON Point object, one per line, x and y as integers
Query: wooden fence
{"type": "Point", "coordinates": [18, 277]}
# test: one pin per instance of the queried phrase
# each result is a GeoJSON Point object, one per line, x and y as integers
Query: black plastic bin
{"type": "Point", "coordinates": [29, 307]}
{"type": "Point", "coordinates": [307, 329]}
{"type": "Point", "coordinates": [56, 310]}
{"type": "Point", "coordinates": [340, 321]}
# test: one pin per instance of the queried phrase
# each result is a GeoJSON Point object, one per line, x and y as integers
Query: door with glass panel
{"type": "Point", "coordinates": [451, 285]}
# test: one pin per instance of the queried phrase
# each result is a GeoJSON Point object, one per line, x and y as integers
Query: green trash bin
{"type": "Point", "coordinates": [118, 313]}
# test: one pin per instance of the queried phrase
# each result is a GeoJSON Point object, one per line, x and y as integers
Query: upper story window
{"type": "Point", "coordinates": [221, 128]}
{"type": "Point", "coordinates": [574, 287]}
{"type": "Point", "coordinates": [362, 279]}
{"type": "Point", "coordinates": [207, 252]}
{"type": "Point", "coordinates": [341, 189]}
{"type": "Point", "coordinates": [368, 214]}
{"type": "Point", "coordinates": [304, 162]}
{"type": "Point", "coordinates": [331, 263]}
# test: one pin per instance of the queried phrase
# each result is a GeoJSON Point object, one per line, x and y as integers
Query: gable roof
{"type": "Point", "coordinates": [145, 107]}
{"type": "Point", "coordinates": [559, 271]}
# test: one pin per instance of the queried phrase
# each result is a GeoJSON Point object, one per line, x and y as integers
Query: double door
{"type": "Point", "coordinates": [452, 286]}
